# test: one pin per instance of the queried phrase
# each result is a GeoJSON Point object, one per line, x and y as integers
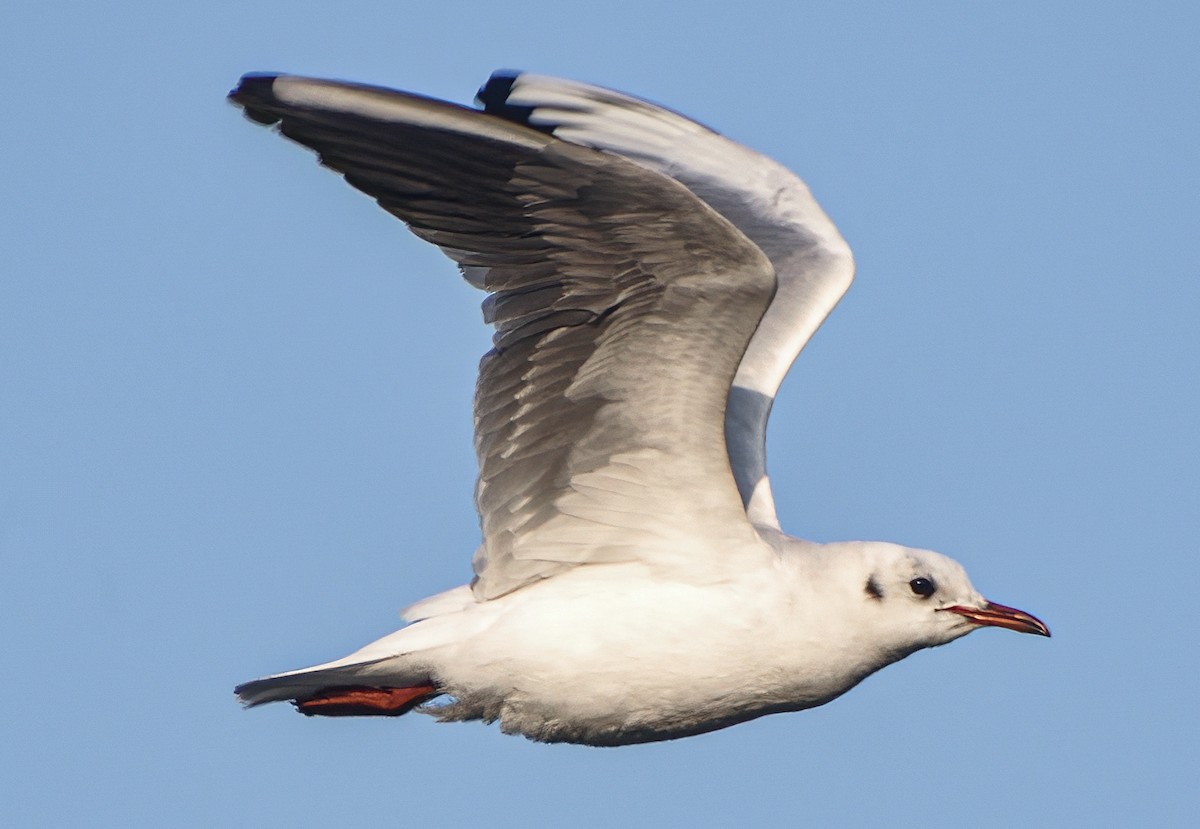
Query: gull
{"type": "Point", "coordinates": [650, 283]}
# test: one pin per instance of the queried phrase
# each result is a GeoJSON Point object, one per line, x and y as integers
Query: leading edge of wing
{"type": "Point", "coordinates": [622, 306]}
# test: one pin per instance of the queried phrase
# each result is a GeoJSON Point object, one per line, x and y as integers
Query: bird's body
{"type": "Point", "coordinates": [613, 654]}
{"type": "Point", "coordinates": [633, 584]}
{"type": "Point", "coordinates": [663, 659]}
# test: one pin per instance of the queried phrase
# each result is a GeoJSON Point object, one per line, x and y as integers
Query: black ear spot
{"type": "Point", "coordinates": [873, 590]}
{"type": "Point", "coordinates": [923, 587]}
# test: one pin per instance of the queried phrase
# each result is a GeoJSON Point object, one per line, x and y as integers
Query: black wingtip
{"type": "Point", "coordinates": [494, 94]}
{"type": "Point", "coordinates": [493, 97]}
{"type": "Point", "coordinates": [253, 94]}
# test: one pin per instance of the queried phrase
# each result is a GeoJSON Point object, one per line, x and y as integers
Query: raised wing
{"type": "Point", "coordinates": [763, 199]}
{"type": "Point", "coordinates": [622, 306]}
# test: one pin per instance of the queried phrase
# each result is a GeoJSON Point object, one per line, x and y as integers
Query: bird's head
{"type": "Point", "coordinates": [922, 599]}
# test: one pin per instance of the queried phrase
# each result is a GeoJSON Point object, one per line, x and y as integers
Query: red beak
{"type": "Point", "coordinates": [1002, 616]}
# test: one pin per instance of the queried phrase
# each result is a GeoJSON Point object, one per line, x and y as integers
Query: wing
{"type": "Point", "coordinates": [764, 200]}
{"type": "Point", "coordinates": [622, 305]}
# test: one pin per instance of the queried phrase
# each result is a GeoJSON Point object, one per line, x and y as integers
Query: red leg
{"type": "Point", "coordinates": [362, 701]}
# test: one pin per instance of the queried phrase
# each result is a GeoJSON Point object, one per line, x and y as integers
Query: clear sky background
{"type": "Point", "coordinates": [235, 424]}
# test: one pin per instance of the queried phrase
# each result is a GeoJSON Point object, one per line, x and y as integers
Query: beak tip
{"type": "Point", "coordinates": [993, 614]}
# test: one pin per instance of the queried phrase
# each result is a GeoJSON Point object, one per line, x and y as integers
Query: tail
{"type": "Point", "coordinates": [361, 689]}
{"type": "Point", "coordinates": [388, 677]}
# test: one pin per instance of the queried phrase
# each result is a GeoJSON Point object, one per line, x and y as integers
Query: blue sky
{"type": "Point", "coordinates": [235, 425]}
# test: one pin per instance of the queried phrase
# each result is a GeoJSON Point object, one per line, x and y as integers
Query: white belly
{"type": "Point", "coordinates": [615, 658]}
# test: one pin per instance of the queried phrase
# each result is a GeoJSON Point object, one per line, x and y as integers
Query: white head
{"type": "Point", "coordinates": [912, 599]}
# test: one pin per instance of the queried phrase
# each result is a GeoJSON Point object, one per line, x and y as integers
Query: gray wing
{"type": "Point", "coordinates": [763, 199]}
{"type": "Point", "coordinates": [622, 305]}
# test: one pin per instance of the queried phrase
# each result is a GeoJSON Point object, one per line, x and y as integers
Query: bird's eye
{"type": "Point", "coordinates": [923, 587]}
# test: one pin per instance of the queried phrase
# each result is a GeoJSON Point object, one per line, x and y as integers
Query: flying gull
{"type": "Point", "coordinates": [650, 283]}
